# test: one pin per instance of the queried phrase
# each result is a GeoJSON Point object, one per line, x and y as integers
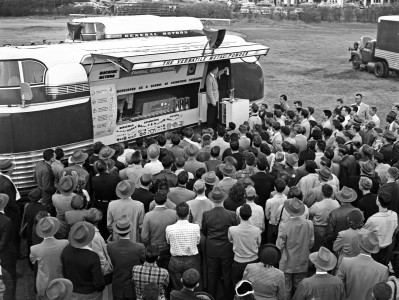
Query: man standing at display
{"type": "Point", "coordinates": [212, 95]}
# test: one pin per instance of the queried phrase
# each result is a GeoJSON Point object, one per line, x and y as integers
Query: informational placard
{"type": "Point", "coordinates": [104, 109]}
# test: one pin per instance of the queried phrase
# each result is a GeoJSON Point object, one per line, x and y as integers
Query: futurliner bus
{"type": "Point", "coordinates": [113, 80]}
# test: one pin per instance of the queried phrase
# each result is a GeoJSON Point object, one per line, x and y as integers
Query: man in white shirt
{"type": "Point", "coordinates": [320, 148]}
{"type": "Point", "coordinates": [154, 166]}
{"type": "Point", "coordinates": [223, 145]}
{"type": "Point", "coordinates": [384, 224]}
{"type": "Point", "coordinates": [272, 206]}
{"type": "Point", "coordinates": [346, 111]}
{"type": "Point", "coordinates": [374, 117]}
{"type": "Point", "coordinates": [254, 118]}
{"type": "Point", "coordinates": [305, 122]}
{"type": "Point", "coordinates": [327, 118]}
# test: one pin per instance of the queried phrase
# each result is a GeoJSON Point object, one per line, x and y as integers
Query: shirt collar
{"type": "Point", "coordinates": [86, 248]}
{"type": "Point", "coordinates": [364, 254]}
{"type": "Point", "coordinates": [161, 206]}
{"type": "Point", "coordinates": [154, 264]}
{"type": "Point", "coordinates": [321, 272]}
{"type": "Point", "coordinates": [201, 197]}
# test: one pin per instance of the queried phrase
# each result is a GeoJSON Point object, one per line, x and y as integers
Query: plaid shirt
{"type": "Point", "coordinates": [183, 238]}
{"type": "Point", "coordinates": [149, 273]}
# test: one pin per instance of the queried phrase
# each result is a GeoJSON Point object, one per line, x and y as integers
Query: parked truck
{"type": "Point", "coordinates": [380, 55]}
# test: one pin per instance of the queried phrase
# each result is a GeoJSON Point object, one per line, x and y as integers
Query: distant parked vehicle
{"type": "Point", "coordinates": [265, 3]}
{"type": "Point", "coordinates": [278, 10]}
{"type": "Point", "coordinates": [249, 7]}
{"type": "Point", "coordinates": [265, 10]}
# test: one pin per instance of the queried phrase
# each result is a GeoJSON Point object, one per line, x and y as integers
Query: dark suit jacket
{"type": "Point", "coordinates": [386, 150]}
{"type": "Point", "coordinates": [7, 187]}
{"type": "Point", "coordinates": [184, 294]}
{"type": "Point", "coordinates": [44, 177]}
{"type": "Point", "coordinates": [104, 186]}
{"type": "Point", "coordinates": [144, 196]}
{"type": "Point", "coordinates": [392, 188]}
{"type": "Point", "coordinates": [7, 248]}
{"type": "Point", "coordinates": [347, 169]}
{"type": "Point", "coordinates": [215, 227]}
{"type": "Point", "coordinates": [124, 256]}
{"type": "Point", "coordinates": [264, 185]}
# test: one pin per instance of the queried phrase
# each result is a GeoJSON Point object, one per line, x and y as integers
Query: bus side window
{"type": "Point", "coordinates": [9, 74]}
{"type": "Point", "coordinates": [33, 71]}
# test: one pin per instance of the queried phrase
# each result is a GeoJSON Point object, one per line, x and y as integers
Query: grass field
{"type": "Point", "coordinates": [305, 62]}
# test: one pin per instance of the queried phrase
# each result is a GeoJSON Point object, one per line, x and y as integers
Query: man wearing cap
{"type": "Point", "coordinates": [78, 158]}
{"type": "Point", "coordinates": [183, 238]}
{"type": "Point", "coordinates": [321, 285]}
{"type": "Point", "coordinates": [319, 213]}
{"type": "Point", "coordinates": [295, 239]}
{"type": "Point", "coordinates": [8, 251]}
{"type": "Point", "coordinates": [219, 250]}
{"type": "Point", "coordinates": [246, 240]}
{"type": "Point", "coordinates": [228, 171]}
{"type": "Point", "coordinates": [142, 193]}
{"type": "Point", "coordinates": [384, 224]}
{"type": "Point", "coordinates": [44, 175]}
{"type": "Point", "coordinates": [166, 174]}
{"type": "Point", "coordinates": [337, 220]}
{"type": "Point", "coordinates": [103, 189]}
{"type": "Point", "coordinates": [190, 281]}
{"type": "Point", "coordinates": [154, 225]}
{"type": "Point", "coordinates": [181, 193]}
{"type": "Point", "coordinates": [134, 170]}
{"type": "Point", "coordinates": [392, 188]}
{"type": "Point", "coordinates": [192, 165]}
{"type": "Point", "coordinates": [388, 139]}
{"type": "Point", "coordinates": [124, 255]}
{"type": "Point", "coordinates": [81, 265]}
{"type": "Point", "coordinates": [258, 216]}
{"type": "Point", "coordinates": [154, 166]}
{"type": "Point", "coordinates": [47, 254]}
{"type": "Point", "coordinates": [359, 274]}
{"type": "Point", "coordinates": [126, 206]}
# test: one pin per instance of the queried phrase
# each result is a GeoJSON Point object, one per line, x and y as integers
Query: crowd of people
{"type": "Point", "coordinates": [284, 206]}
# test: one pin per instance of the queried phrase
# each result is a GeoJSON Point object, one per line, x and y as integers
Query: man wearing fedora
{"type": "Point", "coordinates": [192, 165]}
{"type": "Point", "coordinates": [47, 254]}
{"type": "Point", "coordinates": [321, 285]}
{"type": "Point", "coordinates": [337, 220]}
{"type": "Point", "coordinates": [8, 253]}
{"type": "Point", "coordinates": [315, 194]}
{"type": "Point", "coordinates": [126, 206]}
{"type": "Point", "coordinates": [359, 274]}
{"type": "Point", "coordinates": [81, 265]}
{"type": "Point", "coordinates": [319, 213]}
{"type": "Point", "coordinates": [44, 175]}
{"type": "Point", "coordinates": [104, 191]}
{"type": "Point", "coordinates": [388, 139]}
{"type": "Point", "coordinates": [384, 223]}
{"type": "Point", "coordinates": [154, 226]}
{"type": "Point", "coordinates": [295, 239]}
{"type": "Point", "coordinates": [228, 171]}
{"type": "Point", "coordinates": [124, 255]}
{"type": "Point", "coordinates": [210, 180]}
{"type": "Point", "coordinates": [180, 193]}
{"type": "Point", "coordinates": [78, 158]}
{"type": "Point", "coordinates": [59, 289]}
{"type": "Point", "coordinates": [367, 169]}
{"type": "Point", "coordinates": [219, 250]}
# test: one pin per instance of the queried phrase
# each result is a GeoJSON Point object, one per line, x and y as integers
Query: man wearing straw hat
{"type": "Point", "coordinates": [125, 206]}
{"type": "Point", "coordinates": [59, 289]}
{"type": "Point", "coordinates": [359, 274]}
{"type": "Point", "coordinates": [81, 265]}
{"type": "Point", "coordinates": [321, 285]}
{"type": "Point", "coordinates": [47, 254]}
{"type": "Point", "coordinates": [295, 239]}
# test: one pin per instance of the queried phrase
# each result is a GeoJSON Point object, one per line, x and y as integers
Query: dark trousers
{"type": "Point", "coordinates": [10, 265]}
{"type": "Point", "coordinates": [271, 237]}
{"type": "Point", "coordinates": [384, 255]}
{"type": "Point", "coordinates": [179, 264]}
{"type": "Point", "coordinates": [217, 267]}
{"type": "Point", "coordinates": [102, 225]}
{"type": "Point", "coordinates": [319, 237]}
{"type": "Point", "coordinates": [212, 115]}
{"type": "Point", "coordinates": [164, 258]}
{"type": "Point", "coordinates": [237, 270]}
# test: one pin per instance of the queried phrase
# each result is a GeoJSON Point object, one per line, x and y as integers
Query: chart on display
{"type": "Point", "coordinates": [104, 109]}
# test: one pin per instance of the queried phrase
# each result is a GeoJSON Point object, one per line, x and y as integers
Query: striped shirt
{"type": "Point", "coordinates": [149, 273]}
{"type": "Point", "coordinates": [183, 238]}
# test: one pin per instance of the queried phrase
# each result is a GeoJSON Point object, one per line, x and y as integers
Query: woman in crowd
{"type": "Point", "coordinates": [236, 197]}
{"type": "Point", "coordinates": [79, 205]}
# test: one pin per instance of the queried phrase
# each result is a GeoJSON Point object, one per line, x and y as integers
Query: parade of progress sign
{"type": "Point", "coordinates": [104, 109]}
{"type": "Point", "coordinates": [199, 59]}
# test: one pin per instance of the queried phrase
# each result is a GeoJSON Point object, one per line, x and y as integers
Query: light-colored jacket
{"type": "Point", "coordinates": [212, 90]}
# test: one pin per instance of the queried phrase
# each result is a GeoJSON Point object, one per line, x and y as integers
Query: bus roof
{"type": "Point", "coordinates": [388, 18]}
{"type": "Point", "coordinates": [143, 24]}
{"type": "Point", "coordinates": [140, 52]}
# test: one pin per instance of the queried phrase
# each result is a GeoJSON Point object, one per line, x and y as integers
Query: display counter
{"type": "Point", "coordinates": [236, 111]}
